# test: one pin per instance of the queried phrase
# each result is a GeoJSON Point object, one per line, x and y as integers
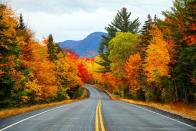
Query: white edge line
{"type": "Point", "coordinates": [159, 114]}
{"type": "Point", "coordinates": [2, 129]}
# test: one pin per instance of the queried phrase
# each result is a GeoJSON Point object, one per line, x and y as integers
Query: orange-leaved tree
{"type": "Point", "coordinates": [67, 73]}
{"type": "Point", "coordinates": [133, 68]}
{"type": "Point", "coordinates": [157, 57]}
{"type": "Point", "coordinates": [42, 80]}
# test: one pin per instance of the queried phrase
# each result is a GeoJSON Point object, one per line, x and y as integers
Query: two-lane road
{"type": "Point", "coordinates": [96, 113]}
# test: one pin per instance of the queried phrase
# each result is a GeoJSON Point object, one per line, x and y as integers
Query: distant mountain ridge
{"type": "Point", "coordinates": [88, 47]}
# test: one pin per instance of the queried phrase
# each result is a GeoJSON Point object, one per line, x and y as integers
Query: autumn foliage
{"type": "Point", "coordinates": [157, 64]}
{"type": "Point", "coordinates": [83, 72]}
{"type": "Point", "coordinates": [157, 56]}
{"type": "Point", "coordinates": [33, 71]}
{"type": "Point", "coordinates": [133, 69]}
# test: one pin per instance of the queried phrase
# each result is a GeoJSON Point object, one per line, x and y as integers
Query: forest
{"type": "Point", "coordinates": [154, 62]}
{"type": "Point", "coordinates": [31, 71]}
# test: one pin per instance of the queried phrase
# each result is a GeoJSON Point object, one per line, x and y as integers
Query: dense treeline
{"type": "Point", "coordinates": [32, 71]}
{"type": "Point", "coordinates": [157, 63]}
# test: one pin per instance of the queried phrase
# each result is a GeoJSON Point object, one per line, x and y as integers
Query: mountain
{"type": "Point", "coordinates": [88, 47]}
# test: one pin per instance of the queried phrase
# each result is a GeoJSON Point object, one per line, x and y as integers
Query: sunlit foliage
{"type": "Point", "coordinates": [133, 69]}
{"type": "Point", "coordinates": [157, 57]}
{"type": "Point", "coordinates": [32, 71]}
{"type": "Point", "coordinates": [121, 47]}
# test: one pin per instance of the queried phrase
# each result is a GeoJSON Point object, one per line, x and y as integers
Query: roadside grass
{"type": "Point", "coordinates": [7, 112]}
{"type": "Point", "coordinates": [185, 110]}
{"type": "Point", "coordinates": [18, 110]}
{"type": "Point", "coordinates": [181, 109]}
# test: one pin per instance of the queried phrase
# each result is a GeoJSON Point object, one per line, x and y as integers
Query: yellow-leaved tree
{"type": "Point", "coordinates": [67, 74]}
{"type": "Point", "coordinates": [42, 81]}
{"type": "Point", "coordinates": [157, 57]}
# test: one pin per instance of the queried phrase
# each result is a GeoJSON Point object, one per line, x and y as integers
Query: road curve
{"type": "Point", "coordinates": [97, 113]}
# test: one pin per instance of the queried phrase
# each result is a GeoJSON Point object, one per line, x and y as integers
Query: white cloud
{"type": "Point", "coordinates": [75, 25]}
{"type": "Point", "coordinates": [74, 19]}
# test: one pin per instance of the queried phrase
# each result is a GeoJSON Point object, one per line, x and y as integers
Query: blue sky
{"type": "Point", "coordinates": [75, 19]}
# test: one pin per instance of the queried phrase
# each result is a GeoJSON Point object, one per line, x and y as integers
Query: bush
{"type": "Point", "coordinates": [7, 103]}
{"type": "Point", "coordinates": [167, 95]}
{"type": "Point", "coordinates": [76, 93]}
{"type": "Point", "coordinates": [140, 94]}
{"type": "Point", "coordinates": [62, 94]}
{"type": "Point", "coordinates": [122, 91]}
{"type": "Point", "coordinates": [152, 94]}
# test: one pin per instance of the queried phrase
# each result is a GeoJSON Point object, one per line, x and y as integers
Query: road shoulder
{"type": "Point", "coordinates": [187, 119]}
{"type": "Point", "coordinates": [164, 113]}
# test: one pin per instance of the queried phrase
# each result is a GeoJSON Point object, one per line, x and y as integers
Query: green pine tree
{"type": "Point", "coordinates": [121, 23]}
{"type": "Point", "coordinates": [53, 48]}
{"type": "Point", "coordinates": [181, 20]}
{"type": "Point", "coordinates": [21, 23]}
{"type": "Point", "coordinates": [9, 48]}
{"type": "Point", "coordinates": [145, 36]}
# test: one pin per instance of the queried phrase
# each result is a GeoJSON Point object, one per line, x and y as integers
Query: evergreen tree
{"type": "Point", "coordinates": [121, 23]}
{"type": "Point", "coordinates": [155, 19]}
{"type": "Point", "coordinates": [53, 48]}
{"type": "Point", "coordinates": [144, 41]}
{"type": "Point", "coordinates": [145, 36]}
{"type": "Point", "coordinates": [181, 23]}
{"type": "Point", "coordinates": [9, 51]}
{"type": "Point", "coordinates": [147, 25]}
{"type": "Point", "coordinates": [21, 23]}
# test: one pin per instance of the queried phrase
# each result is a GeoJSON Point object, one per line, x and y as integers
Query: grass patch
{"type": "Point", "coordinates": [4, 113]}
{"type": "Point", "coordinates": [84, 94]}
{"type": "Point", "coordinates": [184, 110]}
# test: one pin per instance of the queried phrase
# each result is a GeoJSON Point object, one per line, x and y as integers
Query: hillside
{"type": "Point", "coordinates": [87, 47]}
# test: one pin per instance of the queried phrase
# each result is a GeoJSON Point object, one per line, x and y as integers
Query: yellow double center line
{"type": "Point", "coordinates": [99, 117]}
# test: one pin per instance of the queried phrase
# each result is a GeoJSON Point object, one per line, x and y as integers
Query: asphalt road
{"type": "Point", "coordinates": [97, 113]}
